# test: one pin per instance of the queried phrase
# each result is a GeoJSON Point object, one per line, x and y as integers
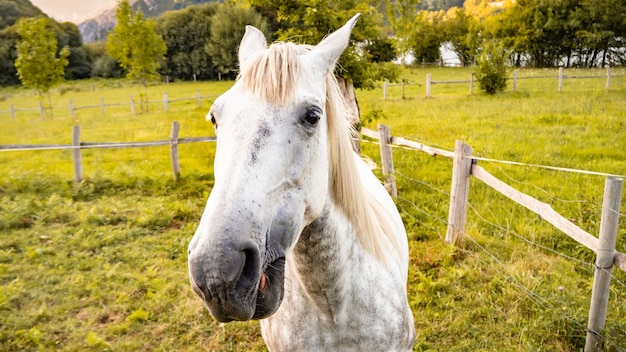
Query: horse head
{"type": "Point", "coordinates": [271, 173]}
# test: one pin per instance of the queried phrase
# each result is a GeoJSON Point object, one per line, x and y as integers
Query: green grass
{"type": "Point", "coordinates": [101, 265]}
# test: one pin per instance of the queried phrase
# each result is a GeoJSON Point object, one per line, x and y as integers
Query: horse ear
{"type": "Point", "coordinates": [253, 41]}
{"type": "Point", "coordinates": [327, 52]}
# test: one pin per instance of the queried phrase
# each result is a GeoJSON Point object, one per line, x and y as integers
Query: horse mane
{"type": "Point", "coordinates": [272, 75]}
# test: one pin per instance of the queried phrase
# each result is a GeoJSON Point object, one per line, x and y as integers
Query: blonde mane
{"type": "Point", "coordinates": [272, 75]}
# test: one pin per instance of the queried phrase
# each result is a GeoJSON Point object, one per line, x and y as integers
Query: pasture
{"type": "Point", "coordinates": [101, 265]}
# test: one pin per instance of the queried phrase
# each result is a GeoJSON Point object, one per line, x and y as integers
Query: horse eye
{"type": "Point", "coordinates": [213, 120]}
{"type": "Point", "coordinates": [312, 116]}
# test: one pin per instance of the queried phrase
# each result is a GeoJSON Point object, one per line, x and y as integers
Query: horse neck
{"type": "Point", "coordinates": [327, 258]}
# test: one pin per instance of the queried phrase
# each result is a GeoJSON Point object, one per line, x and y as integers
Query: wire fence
{"type": "Point", "coordinates": [410, 207]}
{"type": "Point", "coordinates": [514, 80]}
{"type": "Point", "coordinates": [135, 105]}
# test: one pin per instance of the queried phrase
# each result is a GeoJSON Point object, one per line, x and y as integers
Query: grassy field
{"type": "Point", "coordinates": [101, 265]}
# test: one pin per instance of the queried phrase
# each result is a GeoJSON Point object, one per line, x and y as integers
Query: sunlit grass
{"type": "Point", "coordinates": [101, 265]}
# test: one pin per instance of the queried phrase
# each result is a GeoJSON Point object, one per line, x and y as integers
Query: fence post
{"type": "Point", "coordinates": [71, 108]}
{"type": "Point", "coordinates": [457, 215]}
{"type": "Point", "coordinates": [385, 90]}
{"type": "Point", "coordinates": [560, 79]}
{"type": "Point", "coordinates": [386, 157]}
{"type": "Point", "coordinates": [471, 83]}
{"type": "Point", "coordinates": [199, 99]}
{"type": "Point", "coordinates": [78, 159]}
{"type": "Point", "coordinates": [514, 81]}
{"type": "Point", "coordinates": [604, 262]}
{"type": "Point", "coordinates": [12, 111]}
{"type": "Point", "coordinates": [41, 111]}
{"type": "Point", "coordinates": [132, 105]}
{"type": "Point", "coordinates": [174, 150]}
{"type": "Point", "coordinates": [608, 76]}
{"type": "Point", "coordinates": [428, 85]}
{"type": "Point", "coordinates": [165, 101]}
{"type": "Point", "coordinates": [102, 106]}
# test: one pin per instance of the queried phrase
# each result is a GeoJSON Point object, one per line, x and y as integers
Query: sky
{"type": "Point", "coordinates": [72, 10]}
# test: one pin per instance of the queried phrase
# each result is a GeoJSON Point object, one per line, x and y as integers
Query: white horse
{"type": "Point", "coordinates": [297, 230]}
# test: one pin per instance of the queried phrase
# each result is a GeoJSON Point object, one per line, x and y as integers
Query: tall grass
{"type": "Point", "coordinates": [101, 265]}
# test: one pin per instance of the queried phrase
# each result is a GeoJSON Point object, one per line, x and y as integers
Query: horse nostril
{"type": "Point", "coordinates": [251, 268]}
{"type": "Point", "coordinates": [234, 269]}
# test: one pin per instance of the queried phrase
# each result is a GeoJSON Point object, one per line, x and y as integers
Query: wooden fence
{"type": "Point", "coordinates": [429, 82]}
{"type": "Point", "coordinates": [132, 103]}
{"type": "Point", "coordinates": [464, 167]}
{"type": "Point", "coordinates": [173, 141]}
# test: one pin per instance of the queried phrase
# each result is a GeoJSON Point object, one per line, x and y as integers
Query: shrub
{"type": "Point", "coordinates": [491, 71]}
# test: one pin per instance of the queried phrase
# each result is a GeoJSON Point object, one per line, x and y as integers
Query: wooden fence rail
{"type": "Point", "coordinates": [464, 167]}
{"type": "Point", "coordinates": [76, 147]}
{"type": "Point", "coordinates": [72, 108]}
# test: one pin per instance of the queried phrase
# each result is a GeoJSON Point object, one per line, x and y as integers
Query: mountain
{"type": "Point", "coordinates": [12, 10]}
{"type": "Point", "coordinates": [98, 27]}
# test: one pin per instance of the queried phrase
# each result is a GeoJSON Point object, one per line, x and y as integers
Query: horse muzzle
{"type": "Point", "coordinates": [237, 284]}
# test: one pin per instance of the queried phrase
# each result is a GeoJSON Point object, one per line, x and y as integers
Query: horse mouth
{"type": "Point", "coordinates": [270, 289]}
{"type": "Point", "coordinates": [245, 299]}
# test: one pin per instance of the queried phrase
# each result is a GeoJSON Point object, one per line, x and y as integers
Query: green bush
{"type": "Point", "coordinates": [491, 68]}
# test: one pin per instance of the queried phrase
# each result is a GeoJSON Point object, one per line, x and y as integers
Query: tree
{"type": "Point", "coordinates": [309, 21]}
{"type": "Point", "coordinates": [514, 28]}
{"type": "Point", "coordinates": [227, 29]}
{"type": "Point", "coordinates": [102, 64]}
{"type": "Point", "coordinates": [186, 33]}
{"type": "Point", "coordinates": [8, 54]}
{"type": "Point", "coordinates": [402, 15]}
{"type": "Point", "coordinates": [425, 40]}
{"type": "Point", "coordinates": [602, 30]}
{"type": "Point", "coordinates": [12, 10]}
{"type": "Point", "coordinates": [37, 63]}
{"type": "Point", "coordinates": [463, 31]}
{"type": "Point", "coordinates": [135, 44]}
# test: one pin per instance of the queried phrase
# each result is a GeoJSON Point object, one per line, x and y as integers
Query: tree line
{"type": "Point", "coordinates": [535, 33]}
{"type": "Point", "coordinates": [201, 41]}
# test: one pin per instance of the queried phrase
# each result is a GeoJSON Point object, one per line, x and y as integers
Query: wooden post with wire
{"type": "Point", "coordinates": [174, 150]}
{"type": "Point", "coordinates": [385, 83]}
{"type": "Point", "coordinates": [386, 157]}
{"type": "Point", "coordinates": [78, 159]}
{"type": "Point", "coordinates": [461, 170]}
{"type": "Point", "coordinates": [605, 258]}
